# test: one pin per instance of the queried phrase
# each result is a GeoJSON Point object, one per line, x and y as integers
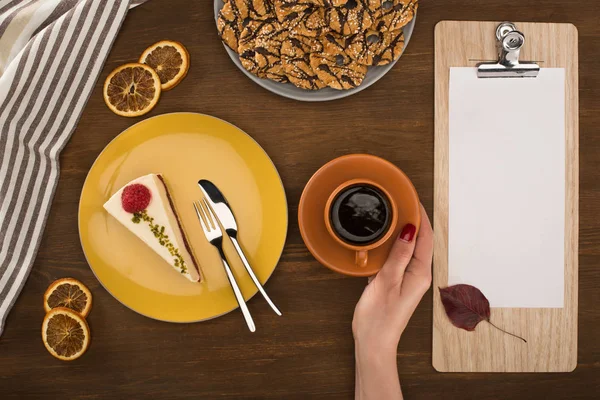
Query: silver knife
{"type": "Point", "coordinates": [224, 213]}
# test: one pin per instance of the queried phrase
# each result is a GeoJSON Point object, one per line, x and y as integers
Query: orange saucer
{"type": "Point", "coordinates": [314, 197]}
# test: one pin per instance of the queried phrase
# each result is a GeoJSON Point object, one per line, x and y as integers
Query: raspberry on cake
{"type": "Point", "coordinates": [135, 198]}
{"type": "Point", "coordinates": [146, 208]}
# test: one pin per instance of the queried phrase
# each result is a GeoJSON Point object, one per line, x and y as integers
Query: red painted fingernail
{"type": "Point", "coordinates": [408, 233]}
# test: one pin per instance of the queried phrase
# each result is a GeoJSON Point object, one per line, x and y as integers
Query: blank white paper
{"type": "Point", "coordinates": [506, 228]}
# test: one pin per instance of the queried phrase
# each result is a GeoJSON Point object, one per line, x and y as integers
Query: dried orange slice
{"type": "Point", "coordinates": [132, 90]}
{"type": "Point", "coordinates": [169, 59]}
{"type": "Point", "coordinates": [65, 334]}
{"type": "Point", "coordinates": [68, 293]}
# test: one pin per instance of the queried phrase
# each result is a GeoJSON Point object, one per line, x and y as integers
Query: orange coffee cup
{"type": "Point", "coordinates": [362, 251]}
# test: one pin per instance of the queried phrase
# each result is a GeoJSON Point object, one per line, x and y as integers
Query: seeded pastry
{"type": "Point", "coordinates": [259, 9]}
{"type": "Point", "coordinates": [301, 74]}
{"type": "Point", "coordinates": [352, 18]}
{"type": "Point", "coordinates": [310, 22]}
{"type": "Point", "coordinates": [314, 44]}
{"type": "Point", "coordinates": [265, 33]}
{"type": "Point", "coordinates": [327, 3]}
{"type": "Point", "coordinates": [333, 43]}
{"type": "Point", "coordinates": [298, 47]}
{"type": "Point", "coordinates": [396, 15]}
{"type": "Point", "coordinates": [295, 53]}
{"type": "Point", "coordinates": [259, 49]}
{"type": "Point", "coordinates": [376, 48]}
{"type": "Point", "coordinates": [374, 7]}
{"type": "Point", "coordinates": [264, 64]}
{"type": "Point", "coordinates": [283, 8]}
{"type": "Point", "coordinates": [338, 71]}
{"type": "Point", "coordinates": [231, 23]}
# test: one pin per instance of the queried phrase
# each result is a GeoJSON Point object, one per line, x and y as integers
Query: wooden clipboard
{"type": "Point", "coordinates": [551, 332]}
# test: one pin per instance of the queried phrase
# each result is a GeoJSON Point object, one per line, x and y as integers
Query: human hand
{"type": "Point", "coordinates": [392, 296]}
{"type": "Point", "coordinates": [384, 309]}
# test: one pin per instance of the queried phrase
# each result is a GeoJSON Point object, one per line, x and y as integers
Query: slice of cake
{"type": "Point", "coordinates": [146, 208]}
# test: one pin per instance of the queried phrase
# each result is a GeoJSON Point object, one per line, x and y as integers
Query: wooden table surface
{"type": "Point", "coordinates": [308, 353]}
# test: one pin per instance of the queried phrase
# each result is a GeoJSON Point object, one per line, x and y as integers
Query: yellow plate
{"type": "Point", "coordinates": [184, 147]}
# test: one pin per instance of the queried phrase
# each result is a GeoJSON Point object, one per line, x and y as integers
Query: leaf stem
{"type": "Point", "coordinates": [508, 333]}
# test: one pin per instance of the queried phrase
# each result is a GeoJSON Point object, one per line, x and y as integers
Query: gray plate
{"type": "Point", "coordinates": [293, 92]}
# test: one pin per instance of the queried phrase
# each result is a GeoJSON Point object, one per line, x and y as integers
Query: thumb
{"type": "Point", "coordinates": [400, 255]}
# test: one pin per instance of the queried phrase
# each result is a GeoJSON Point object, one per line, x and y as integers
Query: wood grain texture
{"type": "Point", "coordinates": [551, 333]}
{"type": "Point", "coordinates": [308, 353]}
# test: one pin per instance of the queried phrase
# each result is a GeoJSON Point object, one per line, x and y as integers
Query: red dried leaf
{"type": "Point", "coordinates": [465, 305]}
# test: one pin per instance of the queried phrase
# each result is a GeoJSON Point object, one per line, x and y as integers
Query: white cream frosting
{"type": "Point", "coordinates": [160, 209]}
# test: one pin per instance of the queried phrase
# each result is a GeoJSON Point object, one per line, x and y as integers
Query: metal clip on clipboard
{"type": "Point", "coordinates": [509, 42]}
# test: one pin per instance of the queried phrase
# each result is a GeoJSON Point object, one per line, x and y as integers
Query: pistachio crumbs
{"type": "Point", "coordinates": [163, 239]}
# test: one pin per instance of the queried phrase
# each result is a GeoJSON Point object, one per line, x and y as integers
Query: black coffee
{"type": "Point", "coordinates": [360, 214]}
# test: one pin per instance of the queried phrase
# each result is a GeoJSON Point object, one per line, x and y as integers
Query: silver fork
{"type": "Point", "coordinates": [214, 235]}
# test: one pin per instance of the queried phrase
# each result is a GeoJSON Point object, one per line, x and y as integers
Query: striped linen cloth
{"type": "Point", "coordinates": [51, 53]}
